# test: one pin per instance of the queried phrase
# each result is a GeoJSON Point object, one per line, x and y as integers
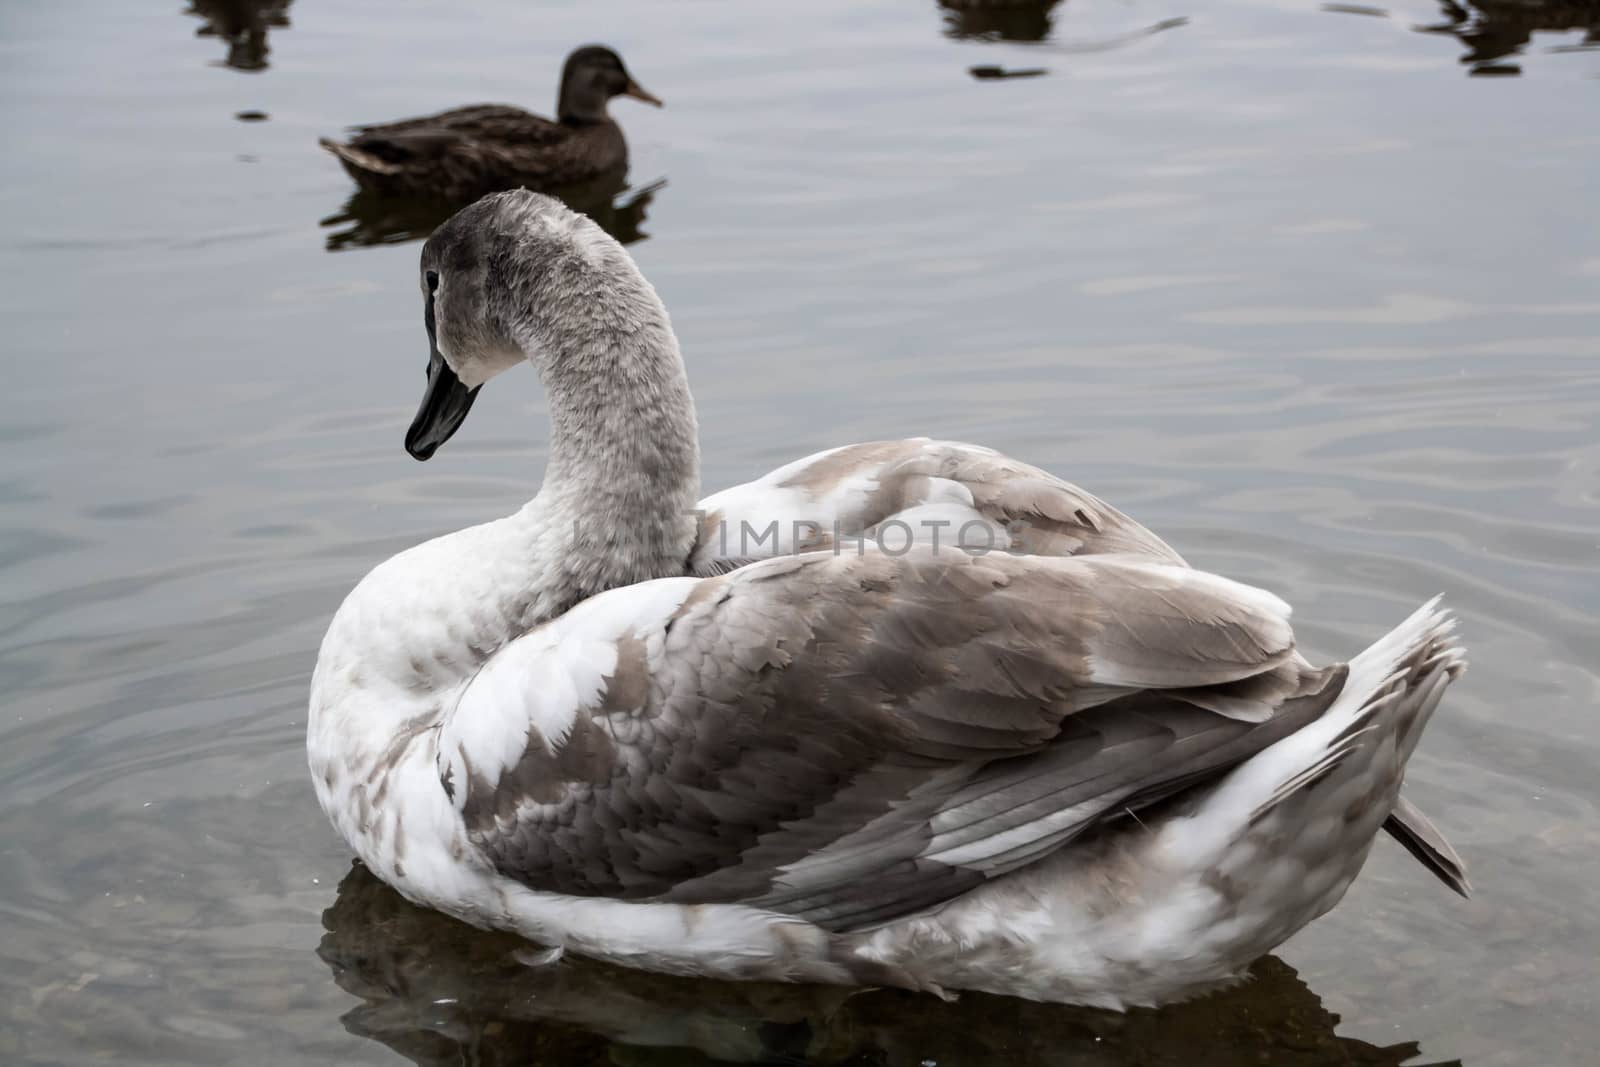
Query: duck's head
{"type": "Point", "coordinates": [592, 76]}
{"type": "Point", "coordinates": [515, 276]}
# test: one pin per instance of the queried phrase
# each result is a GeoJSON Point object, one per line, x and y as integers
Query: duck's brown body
{"type": "Point", "coordinates": [467, 152]}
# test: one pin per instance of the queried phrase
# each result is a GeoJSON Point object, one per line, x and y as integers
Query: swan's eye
{"type": "Point", "coordinates": [432, 278]}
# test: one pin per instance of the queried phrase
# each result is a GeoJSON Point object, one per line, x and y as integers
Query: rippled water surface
{"type": "Point", "coordinates": [1313, 290]}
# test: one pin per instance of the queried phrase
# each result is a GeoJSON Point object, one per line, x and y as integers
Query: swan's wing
{"type": "Point", "coordinates": [852, 739]}
{"type": "Point", "coordinates": [917, 490]}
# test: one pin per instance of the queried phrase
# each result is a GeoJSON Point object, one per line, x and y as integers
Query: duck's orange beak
{"type": "Point", "coordinates": [637, 91]}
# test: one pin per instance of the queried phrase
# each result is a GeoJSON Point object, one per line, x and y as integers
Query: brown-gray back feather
{"type": "Point", "coordinates": [846, 738]}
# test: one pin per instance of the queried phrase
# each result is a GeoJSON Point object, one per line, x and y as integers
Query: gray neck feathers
{"type": "Point", "coordinates": [624, 470]}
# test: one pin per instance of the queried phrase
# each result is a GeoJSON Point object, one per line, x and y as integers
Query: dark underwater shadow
{"type": "Point", "coordinates": [1492, 30]}
{"type": "Point", "coordinates": [368, 220]}
{"type": "Point", "coordinates": [997, 20]}
{"type": "Point", "coordinates": [1029, 22]}
{"type": "Point", "coordinates": [242, 26]}
{"type": "Point", "coordinates": [439, 992]}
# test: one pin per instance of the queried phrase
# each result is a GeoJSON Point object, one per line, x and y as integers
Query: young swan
{"type": "Point", "coordinates": [1039, 756]}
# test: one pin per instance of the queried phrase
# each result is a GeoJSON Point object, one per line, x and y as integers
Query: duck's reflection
{"type": "Point", "coordinates": [997, 20]}
{"type": "Point", "coordinates": [439, 992]}
{"type": "Point", "coordinates": [1495, 29]}
{"type": "Point", "coordinates": [242, 25]}
{"type": "Point", "coordinates": [367, 219]}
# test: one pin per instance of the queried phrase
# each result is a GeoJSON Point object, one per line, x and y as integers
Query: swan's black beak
{"type": "Point", "coordinates": [445, 404]}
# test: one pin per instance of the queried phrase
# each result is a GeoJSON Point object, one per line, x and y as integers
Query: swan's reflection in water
{"type": "Point", "coordinates": [439, 992]}
{"type": "Point", "coordinates": [367, 220]}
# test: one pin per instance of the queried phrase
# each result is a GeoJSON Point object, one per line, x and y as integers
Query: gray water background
{"type": "Point", "coordinates": [1298, 288]}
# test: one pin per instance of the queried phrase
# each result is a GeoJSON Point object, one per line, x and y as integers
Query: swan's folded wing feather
{"type": "Point", "coordinates": [916, 490]}
{"type": "Point", "coordinates": [853, 738]}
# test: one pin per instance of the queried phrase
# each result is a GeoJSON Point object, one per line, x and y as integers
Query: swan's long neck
{"type": "Point", "coordinates": [616, 508]}
{"type": "Point", "coordinates": [623, 477]}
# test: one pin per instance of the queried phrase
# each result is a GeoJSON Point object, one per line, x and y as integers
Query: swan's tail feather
{"type": "Point", "coordinates": [1407, 825]}
{"type": "Point", "coordinates": [1359, 747]}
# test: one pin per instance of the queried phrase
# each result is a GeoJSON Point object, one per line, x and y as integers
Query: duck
{"type": "Point", "coordinates": [459, 155]}
{"type": "Point", "coordinates": [905, 713]}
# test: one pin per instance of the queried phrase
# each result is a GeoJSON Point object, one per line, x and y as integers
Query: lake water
{"type": "Point", "coordinates": [1312, 290]}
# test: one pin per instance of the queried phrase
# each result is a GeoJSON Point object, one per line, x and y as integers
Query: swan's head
{"type": "Point", "coordinates": [593, 75]}
{"type": "Point", "coordinates": [499, 279]}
